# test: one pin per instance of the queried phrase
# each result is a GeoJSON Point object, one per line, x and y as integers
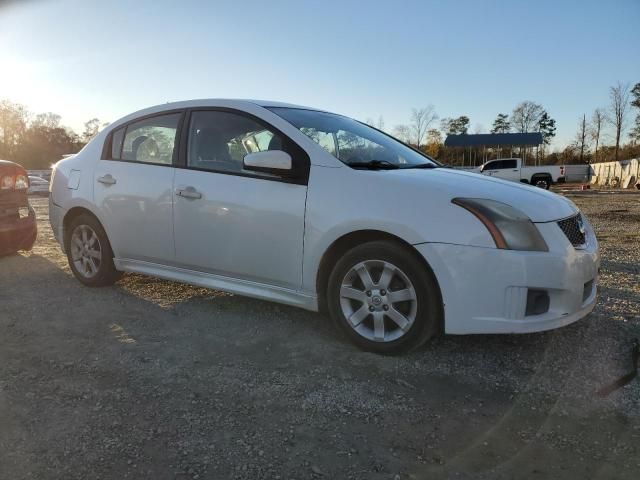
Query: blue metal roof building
{"type": "Point", "coordinates": [494, 140]}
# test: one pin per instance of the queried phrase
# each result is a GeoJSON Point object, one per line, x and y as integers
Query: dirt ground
{"type": "Point", "coordinates": [153, 379]}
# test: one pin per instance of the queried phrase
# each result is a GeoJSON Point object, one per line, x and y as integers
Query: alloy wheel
{"type": "Point", "coordinates": [86, 251]}
{"type": "Point", "coordinates": [378, 300]}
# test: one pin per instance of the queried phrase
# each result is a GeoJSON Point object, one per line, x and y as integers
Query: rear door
{"type": "Point", "coordinates": [133, 188]}
{"type": "Point", "coordinates": [233, 222]}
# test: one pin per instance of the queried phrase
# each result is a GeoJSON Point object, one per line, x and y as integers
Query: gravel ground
{"type": "Point", "coordinates": [153, 379]}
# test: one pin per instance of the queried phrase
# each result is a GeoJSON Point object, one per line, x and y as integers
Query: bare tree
{"type": "Point", "coordinates": [47, 120]}
{"type": "Point", "coordinates": [402, 133]}
{"type": "Point", "coordinates": [597, 120]}
{"type": "Point", "coordinates": [581, 136]}
{"type": "Point", "coordinates": [618, 108]}
{"type": "Point", "coordinates": [91, 129]}
{"type": "Point", "coordinates": [379, 124]}
{"type": "Point", "coordinates": [420, 121]}
{"type": "Point", "coordinates": [526, 116]}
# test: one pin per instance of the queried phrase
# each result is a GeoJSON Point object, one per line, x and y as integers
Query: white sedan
{"type": "Point", "coordinates": [38, 186]}
{"type": "Point", "coordinates": [317, 210]}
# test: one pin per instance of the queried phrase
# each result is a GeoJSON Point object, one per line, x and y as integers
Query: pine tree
{"type": "Point", "coordinates": [501, 124]}
{"type": "Point", "coordinates": [547, 127]}
{"type": "Point", "coordinates": [635, 131]}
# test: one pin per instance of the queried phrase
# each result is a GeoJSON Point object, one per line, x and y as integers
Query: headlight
{"type": "Point", "coordinates": [510, 228]}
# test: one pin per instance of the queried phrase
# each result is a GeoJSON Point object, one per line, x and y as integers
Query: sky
{"type": "Point", "coordinates": [365, 59]}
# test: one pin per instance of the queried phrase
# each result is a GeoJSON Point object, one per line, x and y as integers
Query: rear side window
{"type": "Point", "coordinates": [151, 140]}
{"type": "Point", "coordinates": [509, 164]}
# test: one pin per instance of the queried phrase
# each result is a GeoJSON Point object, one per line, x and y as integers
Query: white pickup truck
{"type": "Point", "coordinates": [511, 169]}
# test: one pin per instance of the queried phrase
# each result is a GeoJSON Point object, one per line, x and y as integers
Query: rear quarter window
{"type": "Point", "coordinates": [116, 143]}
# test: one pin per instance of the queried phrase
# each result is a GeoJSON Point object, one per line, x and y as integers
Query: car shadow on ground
{"type": "Point", "coordinates": [155, 309]}
{"type": "Point", "coordinates": [104, 368]}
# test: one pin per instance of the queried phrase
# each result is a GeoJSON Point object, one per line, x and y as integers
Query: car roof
{"type": "Point", "coordinates": [7, 163]}
{"type": "Point", "coordinates": [209, 102]}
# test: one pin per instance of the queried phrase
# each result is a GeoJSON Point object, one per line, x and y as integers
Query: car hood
{"type": "Point", "coordinates": [538, 204]}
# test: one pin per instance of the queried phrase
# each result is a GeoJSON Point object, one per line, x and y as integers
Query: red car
{"type": "Point", "coordinates": [18, 229]}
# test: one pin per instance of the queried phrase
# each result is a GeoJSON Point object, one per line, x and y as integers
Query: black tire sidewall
{"type": "Point", "coordinates": [107, 273]}
{"type": "Point", "coordinates": [547, 181]}
{"type": "Point", "coordinates": [429, 313]}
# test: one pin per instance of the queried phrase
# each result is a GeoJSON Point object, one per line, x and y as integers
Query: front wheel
{"type": "Point", "coordinates": [384, 298]}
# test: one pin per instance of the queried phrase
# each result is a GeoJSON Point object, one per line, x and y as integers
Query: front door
{"type": "Point", "coordinates": [133, 189]}
{"type": "Point", "coordinates": [507, 169]}
{"type": "Point", "coordinates": [232, 222]}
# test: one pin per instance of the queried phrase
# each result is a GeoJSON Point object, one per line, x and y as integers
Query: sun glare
{"type": "Point", "coordinates": [20, 80]}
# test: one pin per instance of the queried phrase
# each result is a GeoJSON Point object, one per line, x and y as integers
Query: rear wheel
{"type": "Point", "coordinates": [542, 181]}
{"type": "Point", "coordinates": [383, 297]}
{"type": "Point", "coordinates": [89, 252]}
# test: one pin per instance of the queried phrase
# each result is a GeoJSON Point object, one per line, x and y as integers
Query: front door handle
{"type": "Point", "coordinates": [107, 179]}
{"type": "Point", "coordinates": [189, 192]}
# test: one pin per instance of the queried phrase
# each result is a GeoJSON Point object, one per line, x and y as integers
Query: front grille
{"type": "Point", "coordinates": [572, 229]}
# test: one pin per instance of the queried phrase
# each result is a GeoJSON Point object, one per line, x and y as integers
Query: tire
{"type": "Point", "coordinates": [417, 298]}
{"type": "Point", "coordinates": [28, 245]}
{"type": "Point", "coordinates": [542, 182]}
{"type": "Point", "coordinates": [85, 265]}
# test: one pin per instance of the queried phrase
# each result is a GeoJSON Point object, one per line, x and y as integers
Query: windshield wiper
{"type": "Point", "coordinates": [374, 165]}
{"type": "Point", "coordinates": [424, 165]}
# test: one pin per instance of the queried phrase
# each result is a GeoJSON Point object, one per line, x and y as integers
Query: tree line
{"type": "Point", "coordinates": [599, 137]}
{"type": "Point", "coordinates": [37, 141]}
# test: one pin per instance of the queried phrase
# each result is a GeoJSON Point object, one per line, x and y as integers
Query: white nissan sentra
{"type": "Point", "coordinates": [320, 211]}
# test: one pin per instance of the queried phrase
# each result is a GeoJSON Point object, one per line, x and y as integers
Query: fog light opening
{"type": "Point", "coordinates": [537, 302]}
{"type": "Point", "coordinates": [587, 290]}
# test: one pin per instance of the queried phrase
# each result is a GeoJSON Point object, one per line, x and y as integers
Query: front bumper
{"type": "Point", "coordinates": [18, 233]}
{"type": "Point", "coordinates": [485, 289]}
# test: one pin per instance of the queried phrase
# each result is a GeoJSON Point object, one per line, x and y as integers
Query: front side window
{"type": "Point", "coordinates": [151, 140]}
{"type": "Point", "coordinates": [491, 166]}
{"type": "Point", "coordinates": [219, 141]}
{"type": "Point", "coordinates": [326, 140]}
{"type": "Point", "coordinates": [350, 141]}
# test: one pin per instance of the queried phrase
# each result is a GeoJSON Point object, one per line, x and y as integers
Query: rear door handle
{"type": "Point", "coordinates": [107, 180]}
{"type": "Point", "coordinates": [189, 192]}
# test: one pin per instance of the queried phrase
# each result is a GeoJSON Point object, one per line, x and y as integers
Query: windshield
{"type": "Point", "coordinates": [352, 142]}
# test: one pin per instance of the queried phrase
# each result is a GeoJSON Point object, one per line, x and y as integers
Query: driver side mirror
{"type": "Point", "coordinates": [270, 161]}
